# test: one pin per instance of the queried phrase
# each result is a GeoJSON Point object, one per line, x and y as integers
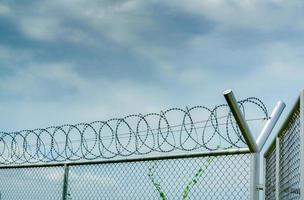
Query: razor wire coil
{"type": "Point", "coordinates": [131, 135]}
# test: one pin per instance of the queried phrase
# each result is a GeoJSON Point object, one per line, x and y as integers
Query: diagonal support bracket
{"type": "Point", "coordinates": [253, 145]}
{"type": "Point", "coordinates": [240, 120]}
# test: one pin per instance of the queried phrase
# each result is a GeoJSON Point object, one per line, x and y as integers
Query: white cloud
{"type": "Point", "coordinates": [41, 28]}
{"type": "Point", "coordinates": [40, 88]}
{"type": "Point", "coordinates": [122, 23]}
{"type": "Point", "coordinates": [5, 53]}
{"type": "Point", "coordinates": [4, 10]}
{"type": "Point", "coordinates": [30, 81]}
{"type": "Point", "coordinates": [186, 75]}
{"type": "Point", "coordinates": [262, 15]}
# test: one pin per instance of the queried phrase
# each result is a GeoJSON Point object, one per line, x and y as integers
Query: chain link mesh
{"type": "Point", "coordinates": [31, 183]}
{"type": "Point", "coordinates": [270, 176]}
{"type": "Point", "coordinates": [26, 157]}
{"type": "Point", "coordinates": [290, 159]}
{"type": "Point", "coordinates": [289, 162]}
{"type": "Point", "coordinates": [213, 177]}
{"type": "Point", "coordinates": [220, 177]}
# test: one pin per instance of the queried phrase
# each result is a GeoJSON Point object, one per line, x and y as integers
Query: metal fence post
{"type": "Point", "coordinates": [253, 176]}
{"type": "Point", "coordinates": [277, 172]}
{"type": "Point", "coordinates": [65, 182]}
{"type": "Point", "coordinates": [250, 140]}
{"type": "Point", "coordinates": [261, 140]}
{"type": "Point", "coordinates": [302, 145]}
{"type": "Point", "coordinates": [270, 124]}
{"type": "Point", "coordinates": [239, 118]}
{"type": "Point", "coordinates": [254, 146]}
{"type": "Point", "coordinates": [264, 177]}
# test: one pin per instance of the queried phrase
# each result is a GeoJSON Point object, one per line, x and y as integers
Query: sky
{"type": "Point", "coordinates": [65, 61]}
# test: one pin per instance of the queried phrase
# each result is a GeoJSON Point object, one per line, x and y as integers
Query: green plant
{"type": "Point", "coordinates": [156, 184]}
{"type": "Point", "coordinates": [194, 180]}
{"type": "Point", "coordinates": [189, 185]}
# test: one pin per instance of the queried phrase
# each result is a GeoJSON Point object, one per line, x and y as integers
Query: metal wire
{"type": "Point", "coordinates": [290, 160]}
{"type": "Point", "coordinates": [31, 183]}
{"type": "Point", "coordinates": [131, 135]}
{"type": "Point", "coordinates": [223, 177]}
{"type": "Point", "coordinates": [270, 181]}
{"type": "Point", "coordinates": [288, 165]}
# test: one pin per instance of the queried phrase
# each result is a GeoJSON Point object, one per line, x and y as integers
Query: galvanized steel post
{"type": "Point", "coordinates": [262, 138]}
{"type": "Point", "coordinates": [302, 145]}
{"type": "Point", "coordinates": [65, 182]}
{"type": "Point", "coordinates": [270, 124]}
{"type": "Point", "coordinates": [277, 172]}
{"type": "Point", "coordinates": [255, 146]}
{"type": "Point", "coordinates": [239, 118]}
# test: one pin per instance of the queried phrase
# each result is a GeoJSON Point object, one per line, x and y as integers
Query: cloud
{"type": "Point", "coordinates": [38, 81]}
{"type": "Point", "coordinates": [65, 61]}
{"type": "Point", "coordinates": [41, 28]}
{"type": "Point", "coordinates": [58, 93]}
{"type": "Point", "coordinates": [4, 10]}
{"type": "Point", "coordinates": [262, 15]}
{"type": "Point", "coordinates": [92, 60]}
{"type": "Point", "coordinates": [5, 53]}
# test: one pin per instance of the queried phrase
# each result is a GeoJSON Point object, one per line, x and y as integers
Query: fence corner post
{"type": "Point", "coordinates": [250, 140]}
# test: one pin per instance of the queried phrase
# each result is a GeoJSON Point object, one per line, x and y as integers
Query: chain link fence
{"type": "Point", "coordinates": [191, 153]}
{"type": "Point", "coordinates": [35, 183]}
{"type": "Point", "coordinates": [288, 147]}
{"type": "Point", "coordinates": [290, 160]}
{"type": "Point", "coordinates": [270, 176]}
{"type": "Point", "coordinates": [223, 177]}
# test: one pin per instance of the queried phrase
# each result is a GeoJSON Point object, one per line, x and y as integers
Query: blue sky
{"type": "Point", "coordinates": [78, 61]}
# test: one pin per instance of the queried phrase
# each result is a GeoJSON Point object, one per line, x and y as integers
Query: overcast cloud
{"type": "Point", "coordinates": [73, 61]}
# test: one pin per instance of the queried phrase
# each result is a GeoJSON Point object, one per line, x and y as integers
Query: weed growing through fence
{"type": "Point", "coordinates": [189, 185]}
{"type": "Point", "coordinates": [156, 184]}
{"type": "Point", "coordinates": [194, 180]}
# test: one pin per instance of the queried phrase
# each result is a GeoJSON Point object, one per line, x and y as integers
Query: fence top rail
{"type": "Point", "coordinates": [224, 152]}
{"type": "Point", "coordinates": [283, 127]}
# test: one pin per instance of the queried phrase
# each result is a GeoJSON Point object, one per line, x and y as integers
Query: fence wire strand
{"type": "Point", "coordinates": [131, 135]}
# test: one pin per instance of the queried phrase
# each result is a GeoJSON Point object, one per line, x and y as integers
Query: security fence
{"type": "Point", "coordinates": [192, 153]}
{"type": "Point", "coordinates": [204, 177]}
{"type": "Point", "coordinates": [193, 129]}
{"type": "Point", "coordinates": [31, 183]}
{"type": "Point", "coordinates": [284, 158]}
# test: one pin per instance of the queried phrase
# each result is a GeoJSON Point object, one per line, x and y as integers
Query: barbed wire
{"type": "Point", "coordinates": [131, 135]}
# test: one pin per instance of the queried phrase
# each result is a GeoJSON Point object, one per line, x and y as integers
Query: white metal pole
{"type": "Point", "coordinates": [232, 103]}
{"type": "Point", "coordinates": [261, 140]}
{"type": "Point", "coordinates": [270, 124]}
{"type": "Point", "coordinates": [264, 178]}
{"type": "Point", "coordinates": [277, 172]}
{"type": "Point", "coordinates": [65, 182]}
{"type": "Point", "coordinates": [302, 145]}
{"type": "Point", "coordinates": [253, 177]}
{"type": "Point", "coordinates": [252, 145]}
